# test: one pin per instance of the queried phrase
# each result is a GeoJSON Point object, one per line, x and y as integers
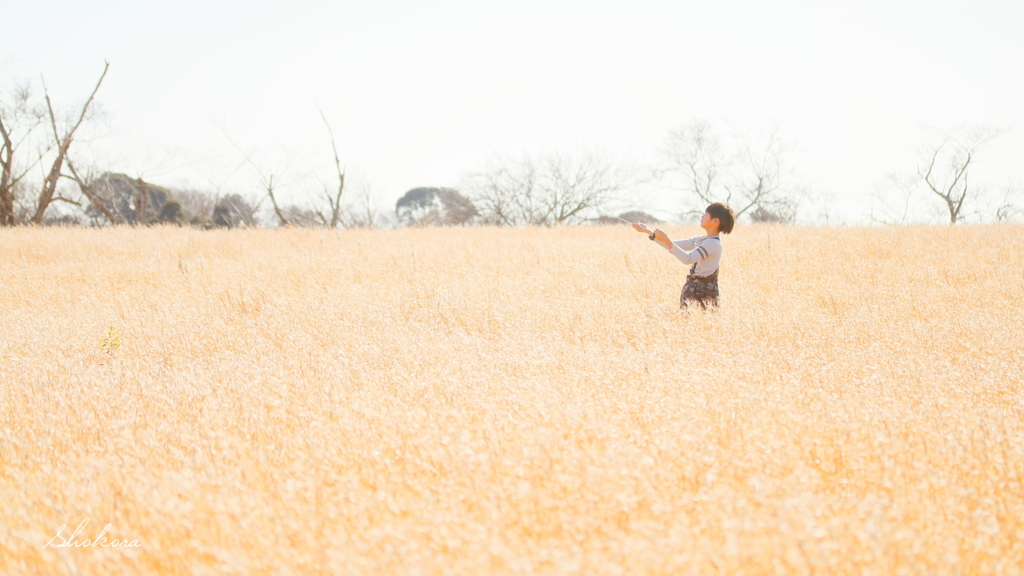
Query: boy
{"type": "Point", "coordinates": [704, 256]}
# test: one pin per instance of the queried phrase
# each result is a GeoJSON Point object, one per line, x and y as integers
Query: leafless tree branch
{"type": "Point", "coordinates": [555, 188]}
{"type": "Point", "coordinates": [94, 199]}
{"type": "Point", "coordinates": [68, 200]}
{"type": "Point", "coordinates": [266, 181]}
{"type": "Point", "coordinates": [334, 203]}
{"type": "Point", "coordinates": [946, 166]}
{"type": "Point", "coordinates": [50, 184]}
{"type": "Point", "coordinates": [21, 118]}
{"type": "Point", "coordinates": [746, 171]}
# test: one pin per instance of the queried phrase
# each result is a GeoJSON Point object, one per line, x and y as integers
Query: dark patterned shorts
{"type": "Point", "coordinates": [702, 290]}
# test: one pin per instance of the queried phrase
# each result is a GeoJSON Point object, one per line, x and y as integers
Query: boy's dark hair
{"type": "Point", "coordinates": [725, 215]}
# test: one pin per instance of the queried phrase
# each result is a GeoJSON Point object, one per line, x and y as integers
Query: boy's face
{"type": "Point", "coordinates": [707, 222]}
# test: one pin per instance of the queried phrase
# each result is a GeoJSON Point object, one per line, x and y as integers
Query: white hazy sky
{"type": "Point", "coordinates": [419, 93]}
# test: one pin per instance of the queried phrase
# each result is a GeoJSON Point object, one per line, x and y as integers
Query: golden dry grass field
{"type": "Point", "coordinates": [511, 401]}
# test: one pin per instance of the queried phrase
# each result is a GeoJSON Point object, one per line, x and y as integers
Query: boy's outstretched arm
{"type": "Point", "coordinates": [657, 235]}
{"type": "Point", "coordinates": [678, 248]}
{"type": "Point", "coordinates": [662, 239]}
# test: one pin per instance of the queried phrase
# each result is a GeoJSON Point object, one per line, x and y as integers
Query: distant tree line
{"type": "Point", "coordinates": [121, 199]}
{"type": "Point", "coordinates": [704, 161]}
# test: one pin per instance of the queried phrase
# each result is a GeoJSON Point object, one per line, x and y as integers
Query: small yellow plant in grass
{"type": "Point", "coordinates": [112, 340]}
{"type": "Point", "coordinates": [510, 401]}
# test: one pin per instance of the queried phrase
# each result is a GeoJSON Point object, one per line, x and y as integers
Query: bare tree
{"type": "Point", "coordinates": [946, 163]}
{"type": "Point", "coordinates": [63, 143]}
{"type": "Point", "coordinates": [363, 211]}
{"type": "Point", "coordinates": [19, 119]}
{"type": "Point", "coordinates": [759, 174]}
{"type": "Point", "coordinates": [694, 153]}
{"type": "Point", "coordinates": [266, 181]}
{"type": "Point", "coordinates": [748, 171]}
{"type": "Point", "coordinates": [335, 201]}
{"type": "Point", "coordinates": [577, 184]}
{"type": "Point", "coordinates": [293, 214]}
{"type": "Point", "coordinates": [96, 203]}
{"type": "Point", "coordinates": [269, 183]}
{"type": "Point", "coordinates": [892, 199]}
{"type": "Point", "coordinates": [1008, 208]}
{"type": "Point", "coordinates": [554, 188]}
{"type": "Point", "coordinates": [505, 191]}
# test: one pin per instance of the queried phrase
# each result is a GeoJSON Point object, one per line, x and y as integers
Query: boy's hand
{"type": "Point", "coordinates": [642, 228]}
{"type": "Point", "coordinates": [662, 239]}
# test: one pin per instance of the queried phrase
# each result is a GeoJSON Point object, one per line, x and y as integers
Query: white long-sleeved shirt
{"type": "Point", "coordinates": [704, 253]}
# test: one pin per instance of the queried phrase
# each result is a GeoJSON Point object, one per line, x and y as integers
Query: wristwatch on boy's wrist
{"type": "Point", "coordinates": [651, 237]}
